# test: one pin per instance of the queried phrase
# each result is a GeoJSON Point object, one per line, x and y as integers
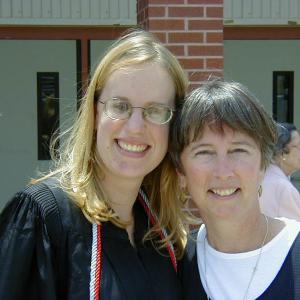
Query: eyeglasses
{"type": "Point", "coordinates": [119, 109]}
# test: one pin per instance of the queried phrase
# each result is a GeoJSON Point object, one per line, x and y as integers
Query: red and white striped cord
{"type": "Point", "coordinates": [96, 259]}
{"type": "Point", "coordinates": [153, 219]}
{"type": "Point", "coordinates": [96, 263]}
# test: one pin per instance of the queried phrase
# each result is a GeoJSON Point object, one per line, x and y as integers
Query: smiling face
{"type": "Point", "coordinates": [132, 148]}
{"type": "Point", "coordinates": [222, 172]}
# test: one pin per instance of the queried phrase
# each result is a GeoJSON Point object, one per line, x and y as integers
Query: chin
{"type": "Point", "coordinates": [132, 173]}
{"type": "Point", "coordinates": [225, 213]}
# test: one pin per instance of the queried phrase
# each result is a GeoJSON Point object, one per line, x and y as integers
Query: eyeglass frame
{"type": "Point", "coordinates": [172, 110]}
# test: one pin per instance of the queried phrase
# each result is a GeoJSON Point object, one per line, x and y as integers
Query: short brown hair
{"type": "Point", "coordinates": [217, 103]}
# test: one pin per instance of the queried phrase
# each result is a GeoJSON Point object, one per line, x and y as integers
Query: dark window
{"type": "Point", "coordinates": [283, 96]}
{"type": "Point", "coordinates": [48, 111]}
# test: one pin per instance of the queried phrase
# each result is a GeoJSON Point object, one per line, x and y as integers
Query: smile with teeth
{"type": "Point", "coordinates": [132, 147]}
{"type": "Point", "coordinates": [223, 192]}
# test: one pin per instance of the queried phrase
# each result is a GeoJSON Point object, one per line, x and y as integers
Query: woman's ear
{"type": "Point", "coordinates": [185, 195]}
{"type": "Point", "coordinates": [181, 179]}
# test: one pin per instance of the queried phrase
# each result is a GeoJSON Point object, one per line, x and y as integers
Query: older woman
{"type": "Point", "coordinates": [100, 226]}
{"type": "Point", "coordinates": [222, 143]}
{"type": "Point", "coordinates": [280, 198]}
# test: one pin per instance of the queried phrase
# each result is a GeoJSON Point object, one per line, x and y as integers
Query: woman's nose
{"type": "Point", "coordinates": [224, 168]}
{"type": "Point", "coordinates": [136, 122]}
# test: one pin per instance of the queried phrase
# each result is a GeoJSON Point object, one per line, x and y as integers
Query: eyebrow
{"type": "Point", "coordinates": [199, 144]}
{"type": "Point", "coordinates": [148, 103]}
{"type": "Point", "coordinates": [292, 144]}
{"type": "Point", "coordinates": [237, 143]}
{"type": "Point", "coordinates": [244, 143]}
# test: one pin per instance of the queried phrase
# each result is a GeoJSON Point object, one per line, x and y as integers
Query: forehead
{"type": "Point", "coordinates": [295, 137]}
{"type": "Point", "coordinates": [211, 134]}
{"type": "Point", "coordinates": [145, 82]}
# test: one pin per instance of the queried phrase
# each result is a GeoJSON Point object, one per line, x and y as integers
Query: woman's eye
{"type": "Point", "coordinates": [152, 110]}
{"type": "Point", "coordinates": [203, 153]}
{"type": "Point", "coordinates": [239, 150]}
{"type": "Point", "coordinates": [121, 106]}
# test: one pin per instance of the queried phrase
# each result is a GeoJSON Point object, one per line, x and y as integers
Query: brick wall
{"type": "Point", "coordinates": [191, 29]}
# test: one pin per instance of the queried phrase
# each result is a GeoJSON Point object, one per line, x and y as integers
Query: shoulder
{"type": "Point", "coordinates": [189, 260]}
{"type": "Point", "coordinates": [43, 207]}
{"type": "Point", "coordinates": [40, 202]}
{"type": "Point", "coordinates": [278, 188]}
{"type": "Point", "coordinates": [30, 202]}
{"type": "Point", "coordinates": [292, 226]}
{"type": "Point", "coordinates": [294, 253]}
{"type": "Point", "coordinates": [191, 245]}
{"type": "Point", "coordinates": [287, 236]}
{"type": "Point", "coordinates": [190, 277]}
{"type": "Point", "coordinates": [273, 174]}
{"type": "Point", "coordinates": [288, 190]}
{"type": "Point", "coordinates": [37, 197]}
{"type": "Point", "coordinates": [275, 181]}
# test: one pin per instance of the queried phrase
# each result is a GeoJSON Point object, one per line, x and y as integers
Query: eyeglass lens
{"type": "Point", "coordinates": [121, 109]}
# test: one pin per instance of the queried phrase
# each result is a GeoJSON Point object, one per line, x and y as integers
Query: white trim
{"type": "Point", "coordinates": [93, 262]}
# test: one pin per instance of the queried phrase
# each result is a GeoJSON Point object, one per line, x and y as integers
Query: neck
{"type": "Point", "coordinates": [238, 236]}
{"type": "Point", "coordinates": [285, 169]}
{"type": "Point", "coordinates": [122, 195]}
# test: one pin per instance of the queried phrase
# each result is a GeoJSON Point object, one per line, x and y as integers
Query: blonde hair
{"type": "Point", "coordinates": [79, 167]}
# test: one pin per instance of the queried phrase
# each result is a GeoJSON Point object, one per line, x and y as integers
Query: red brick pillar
{"type": "Point", "coordinates": [191, 29]}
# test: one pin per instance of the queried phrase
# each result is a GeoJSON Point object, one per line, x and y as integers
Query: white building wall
{"type": "Point", "coordinates": [262, 12]}
{"type": "Point", "coordinates": [252, 63]}
{"type": "Point", "coordinates": [97, 51]}
{"type": "Point", "coordinates": [68, 12]}
{"type": "Point", "coordinates": [20, 61]}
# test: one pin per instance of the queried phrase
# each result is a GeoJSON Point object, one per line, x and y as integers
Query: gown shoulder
{"type": "Point", "coordinates": [30, 229]}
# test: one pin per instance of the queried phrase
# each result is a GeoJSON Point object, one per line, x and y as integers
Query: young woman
{"type": "Point", "coordinates": [100, 226]}
{"type": "Point", "coordinates": [222, 142]}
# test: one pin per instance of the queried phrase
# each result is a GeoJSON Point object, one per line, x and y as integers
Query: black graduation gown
{"type": "Point", "coordinates": [45, 253]}
{"type": "Point", "coordinates": [189, 273]}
